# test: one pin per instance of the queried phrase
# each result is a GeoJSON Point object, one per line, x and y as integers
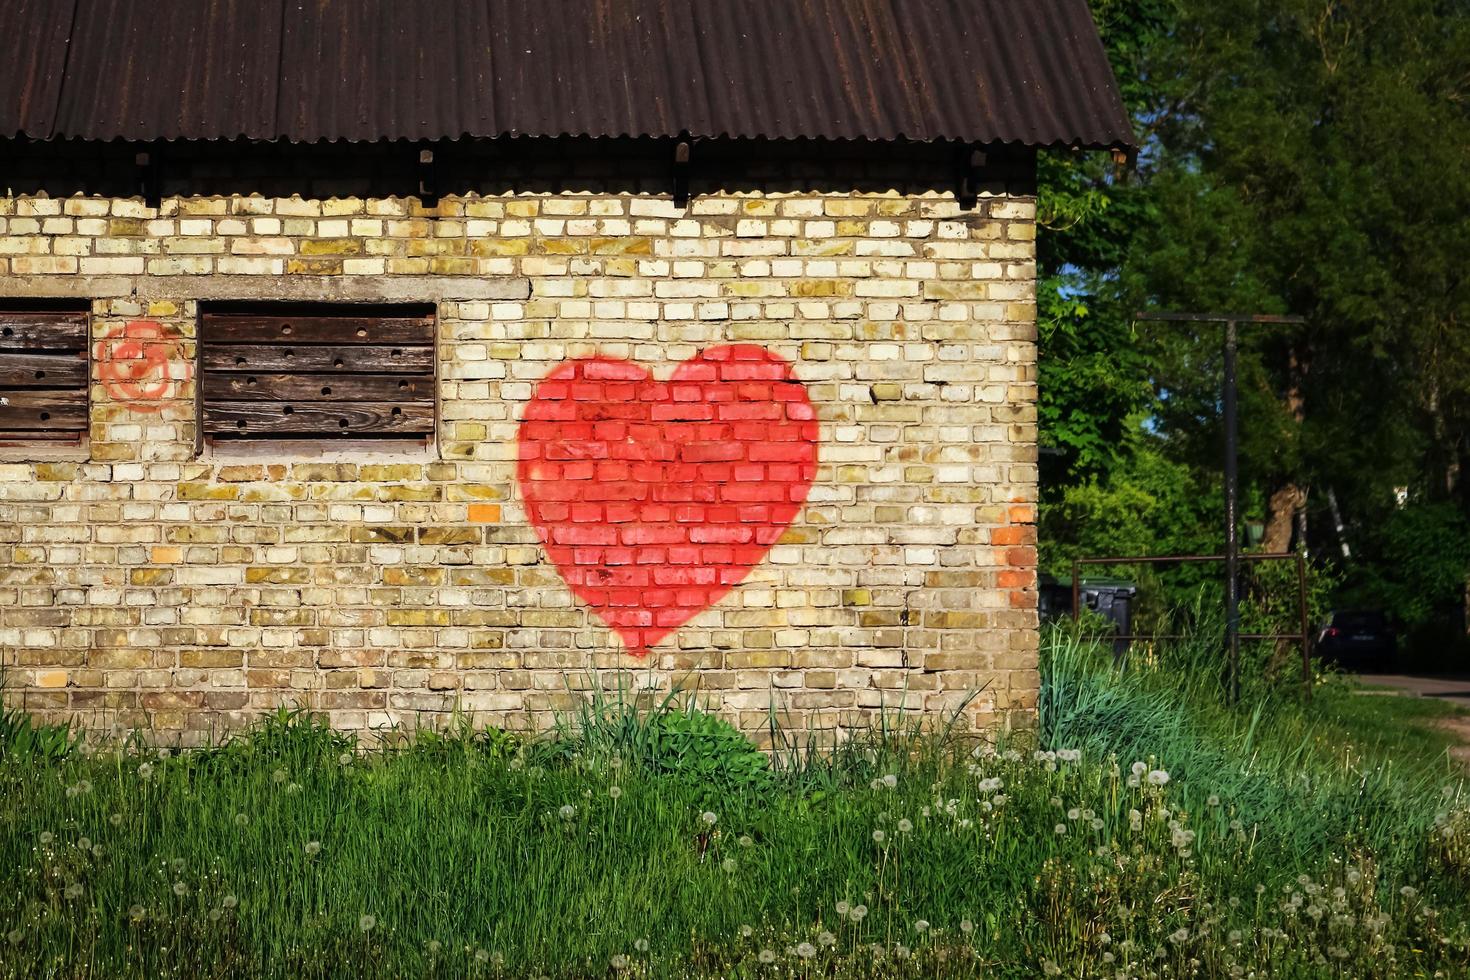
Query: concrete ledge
{"type": "Point", "coordinates": [324, 289]}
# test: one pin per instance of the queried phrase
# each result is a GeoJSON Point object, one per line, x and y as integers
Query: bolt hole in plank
{"type": "Point", "coordinates": [350, 372]}
{"type": "Point", "coordinates": [43, 374]}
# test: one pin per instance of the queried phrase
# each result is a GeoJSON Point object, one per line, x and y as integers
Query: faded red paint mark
{"type": "Point", "coordinates": [137, 363]}
{"type": "Point", "coordinates": [655, 498]}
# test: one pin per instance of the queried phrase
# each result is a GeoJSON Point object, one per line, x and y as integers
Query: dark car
{"type": "Point", "coordinates": [1358, 640]}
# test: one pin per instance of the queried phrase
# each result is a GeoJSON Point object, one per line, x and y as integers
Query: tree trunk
{"type": "Point", "coordinates": [1281, 518]}
{"type": "Point", "coordinates": [1289, 498]}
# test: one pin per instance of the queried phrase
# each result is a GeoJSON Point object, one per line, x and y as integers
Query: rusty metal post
{"type": "Point", "coordinates": [1232, 522]}
{"type": "Point", "coordinates": [1076, 594]}
{"type": "Point", "coordinates": [1301, 600]}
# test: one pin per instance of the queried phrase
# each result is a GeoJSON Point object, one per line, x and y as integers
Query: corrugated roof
{"type": "Point", "coordinates": [1028, 71]}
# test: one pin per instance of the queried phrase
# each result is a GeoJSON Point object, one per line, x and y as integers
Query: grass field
{"type": "Point", "coordinates": [1146, 830]}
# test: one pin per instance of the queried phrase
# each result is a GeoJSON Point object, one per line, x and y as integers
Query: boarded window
{"type": "Point", "coordinates": [43, 376]}
{"type": "Point", "coordinates": [356, 373]}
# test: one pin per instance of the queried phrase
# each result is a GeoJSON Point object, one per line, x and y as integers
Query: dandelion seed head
{"type": "Point", "coordinates": [746, 931]}
{"type": "Point", "coordinates": [313, 847]}
{"type": "Point", "coordinates": [806, 950]}
{"type": "Point", "coordinates": [859, 913]}
{"type": "Point", "coordinates": [116, 819]}
{"type": "Point", "coordinates": [15, 936]}
{"type": "Point", "coordinates": [482, 956]}
{"type": "Point", "coordinates": [366, 922]}
{"type": "Point", "coordinates": [435, 946]}
{"type": "Point", "coordinates": [241, 820]}
{"type": "Point", "coordinates": [766, 956]}
{"type": "Point", "coordinates": [1061, 829]}
{"type": "Point", "coordinates": [136, 912]}
{"type": "Point", "coordinates": [921, 925]}
{"type": "Point", "coordinates": [1158, 777]}
{"type": "Point", "coordinates": [966, 926]}
{"type": "Point", "coordinates": [180, 889]}
{"type": "Point", "coordinates": [746, 841]}
{"type": "Point", "coordinates": [890, 780]}
{"type": "Point", "coordinates": [843, 908]}
{"type": "Point", "coordinates": [145, 771]}
{"type": "Point", "coordinates": [729, 865]}
{"type": "Point", "coordinates": [615, 792]}
{"type": "Point", "coordinates": [345, 759]}
{"type": "Point", "coordinates": [85, 843]}
{"type": "Point", "coordinates": [905, 826]}
{"type": "Point", "coordinates": [279, 776]}
{"type": "Point", "coordinates": [230, 901]}
{"type": "Point", "coordinates": [825, 938]}
{"type": "Point", "coordinates": [567, 811]}
{"type": "Point", "coordinates": [619, 962]}
{"type": "Point", "coordinates": [709, 817]}
{"type": "Point", "coordinates": [641, 945]}
{"type": "Point", "coordinates": [879, 836]}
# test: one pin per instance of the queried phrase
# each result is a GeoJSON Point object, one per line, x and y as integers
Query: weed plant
{"type": "Point", "coordinates": [1145, 830]}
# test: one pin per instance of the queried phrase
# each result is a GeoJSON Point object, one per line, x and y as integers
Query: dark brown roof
{"type": "Point", "coordinates": [1027, 71]}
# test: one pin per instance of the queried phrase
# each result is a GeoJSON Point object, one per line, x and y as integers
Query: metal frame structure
{"type": "Point", "coordinates": [1232, 321]}
{"type": "Point", "coordinates": [1304, 637]}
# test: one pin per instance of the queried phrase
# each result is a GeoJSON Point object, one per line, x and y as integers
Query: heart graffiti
{"type": "Point", "coordinates": [655, 498]}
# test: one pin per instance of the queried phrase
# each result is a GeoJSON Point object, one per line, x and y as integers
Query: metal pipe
{"type": "Point", "coordinates": [1182, 559]}
{"type": "Point", "coordinates": [1076, 593]}
{"type": "Point", "coordinates": [1301, 600]}
{"type": "Point", "coordinates": [1232, 519]}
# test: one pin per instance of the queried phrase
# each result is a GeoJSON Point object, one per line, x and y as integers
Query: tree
{"type": "Point", "coordinates": [1299, 156]}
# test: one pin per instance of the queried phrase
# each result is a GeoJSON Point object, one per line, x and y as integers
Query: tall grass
{"type": "Point", "coordinates": [1310, 774]}
{"type": "Point", "coordinates": [648, 839]}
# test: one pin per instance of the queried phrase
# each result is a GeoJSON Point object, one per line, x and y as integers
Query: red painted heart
{"type": "Point", "coordinates": [656, 498]}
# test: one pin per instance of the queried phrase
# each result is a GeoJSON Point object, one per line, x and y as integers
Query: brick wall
{"type": "Point", "coordinates": [149, 579]}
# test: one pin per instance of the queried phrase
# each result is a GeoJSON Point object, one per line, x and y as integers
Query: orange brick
{"type": "Point", "coordinates": [1010, 535]}
{"type": "Point", "coordinates": [1015, 579]}
{"type": "Point", "coordinates": [485, 513]}
{"type": "Point", "coordinates": [167, 554]}
{"type": "Point", "coordinates": [1022, 514]}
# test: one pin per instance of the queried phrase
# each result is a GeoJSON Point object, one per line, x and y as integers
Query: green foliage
{"type": "Point", "coordinates": [1306, 157]}
{"type": "Point", "coordinates": [901, 854]}
{"type": "Point", "coordinates": [1424, 551]}
{"type": "Point", "coordinates": [704, 751]}
{"type": "Point", "coordinates": [22, 740]}
{"type": "Point", "coordinates": [671, 738]}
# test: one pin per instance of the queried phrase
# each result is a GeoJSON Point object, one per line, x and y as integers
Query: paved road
{"type": "Point", "coordinates": [1455, 690]}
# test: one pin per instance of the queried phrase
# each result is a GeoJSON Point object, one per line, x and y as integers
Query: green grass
{"type": "Point", "coordinates": [591, 853]}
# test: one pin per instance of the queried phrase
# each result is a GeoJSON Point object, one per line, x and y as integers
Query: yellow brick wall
{"type": "Point", "coordinates": [146, 584]}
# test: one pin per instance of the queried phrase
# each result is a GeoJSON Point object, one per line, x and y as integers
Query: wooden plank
{"type": "Point", "coordinates": [239, 329]}
{"type": "Point", "coordinates": [43, 331]}
{"type": "Point", "coordinates": [9, 437]}
{"type": "Point", "coordinates": [42, 370]}
{"type": "Point", "coordinates": [391, 388]}
{"type": "Point", "coordinates": [43, 411]}
{"type": "Point", "coordinates": [320, 360]}
{"type": "Point", "coordinates": [317, 419]}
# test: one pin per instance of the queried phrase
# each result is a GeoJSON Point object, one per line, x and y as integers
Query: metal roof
{"type": "Point", "coordinates": [1027, 71]}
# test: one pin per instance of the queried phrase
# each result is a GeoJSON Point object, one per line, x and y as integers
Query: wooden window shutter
{"type": "Point", "coordinates": [43, 376]}
{"type": "Point", "coordinates": [321, 374]}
